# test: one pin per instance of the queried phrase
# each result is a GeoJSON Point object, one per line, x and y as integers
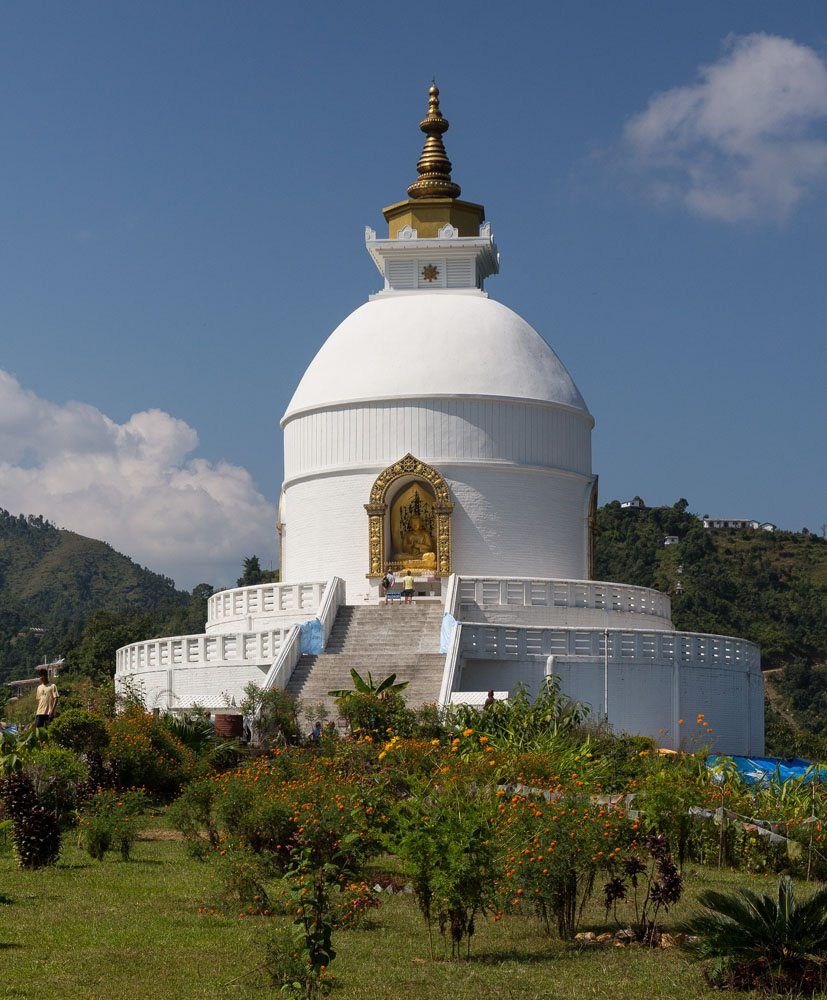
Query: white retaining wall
{"type": "Point", "coordinates": [655, 678]}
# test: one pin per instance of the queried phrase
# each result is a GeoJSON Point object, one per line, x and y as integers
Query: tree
{"type": "Point", "coordinates": [254, 574]}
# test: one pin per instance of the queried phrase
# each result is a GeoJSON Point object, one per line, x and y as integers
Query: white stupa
{"type": "Point", "coordinates": [436, 433]}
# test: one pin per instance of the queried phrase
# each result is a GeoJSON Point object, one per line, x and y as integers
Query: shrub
{"type": "Point", "coordinates": [656, 880]}
{"type": "Point", "coordinates": [370, 715]}
{"type": "Point", "coordinates": [79, 730]}
{"type": "Point", "coordinates": [35, 830]}
{"type": "Point", "coordinates": [445, 839]}
{"type": "Point", "coordinates": [242, 874]}
{"type": "Point", "coordinates": [58, 776]}
{"type": "Point", "coordinates": [111, 820]}
{"type": "Point", "coordinates": [276, 713]}
{"type": "Point", "coordinates": [193, 815]}
{"type": "Point", "coordinates": [146, 755]}
{"type": "Point", "coordinates": [523, 722]}
{"type": "Point", "coordinates": [555, 847]}
{"type": "Point", "coordinates": [780, 942]}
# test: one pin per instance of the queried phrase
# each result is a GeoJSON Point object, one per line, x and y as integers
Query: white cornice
{"type": "Point", "coordinates": [544, 403]}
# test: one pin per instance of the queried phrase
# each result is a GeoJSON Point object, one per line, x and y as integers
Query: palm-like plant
{"type": "Point", "coordinates": [384, 688]}
{"type": "Point", "coordinates": [767, 934]}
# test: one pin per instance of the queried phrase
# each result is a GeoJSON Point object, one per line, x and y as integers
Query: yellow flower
{"type": "Point", "coordinates": [468, 732]}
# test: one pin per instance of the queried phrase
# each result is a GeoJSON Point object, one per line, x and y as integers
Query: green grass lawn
{"type": "Point", "coordinates": [132, 930]}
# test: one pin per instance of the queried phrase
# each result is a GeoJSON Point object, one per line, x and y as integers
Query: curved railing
{"type": "Point", "coordinates": [505, 642]}
{"type": "Point", "coordinates": [515, 592]}
{"type": "Point", "coordinates": [217, 650]}
{"type": "Point", "coordinates": [263, 601]}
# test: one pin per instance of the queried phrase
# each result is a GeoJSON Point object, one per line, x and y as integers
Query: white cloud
{"type": "Point", "coordinates": [743, 142]}
{"type": "Point", "coordinates": [132, 485]}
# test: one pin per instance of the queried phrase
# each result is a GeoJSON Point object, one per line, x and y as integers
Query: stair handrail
{"type": "Point", "coordinates": [451, 605]}
{"type": "Point", "coordinates": [449, 671]}
{"type": "Point", "coordinates": [281, 670]}
{"type": "Point", "coordinates": [332, 599]}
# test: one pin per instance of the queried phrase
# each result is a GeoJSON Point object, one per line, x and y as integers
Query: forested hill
{"type": "Point", "coordinates": [770, 587]}
{"type": "Point", "coordinates": [53, 579]}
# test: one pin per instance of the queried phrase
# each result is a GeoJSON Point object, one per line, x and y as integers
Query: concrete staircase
{"type": "Point", "coordinates": [383, 639]}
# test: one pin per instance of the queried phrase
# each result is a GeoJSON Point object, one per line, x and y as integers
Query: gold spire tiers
{"type": "Point", "coordinates": [433, 199]}
{"type": "Point", "coordinates": [434, 167]}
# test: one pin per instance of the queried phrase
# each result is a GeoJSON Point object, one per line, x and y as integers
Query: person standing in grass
{"type": "Point", "coordinates": [408, 587]}
{"type": "Point", "coordinates": [46, 695]}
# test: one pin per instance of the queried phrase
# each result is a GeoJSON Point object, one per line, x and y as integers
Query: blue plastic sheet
{"type": "Point", "coordinates": [445, 632]}
{"type": "Point", "coordinates": [758, 770]}
{"type": "Point", "coordinates": [311, 637]}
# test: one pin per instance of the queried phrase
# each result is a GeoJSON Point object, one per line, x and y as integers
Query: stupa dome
{"type": "Point", "coordinates": [438, 344]}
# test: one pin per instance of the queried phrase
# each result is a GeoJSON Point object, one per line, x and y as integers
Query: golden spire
{"type": "Point", "coordinates": [434, 167]}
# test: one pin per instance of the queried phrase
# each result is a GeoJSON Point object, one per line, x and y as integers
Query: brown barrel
{"type": "Point", "coordinates": [229, 727]}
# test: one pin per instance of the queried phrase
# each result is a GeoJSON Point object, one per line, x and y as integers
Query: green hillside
{"type": "Point", "coordinates": [52, 579]}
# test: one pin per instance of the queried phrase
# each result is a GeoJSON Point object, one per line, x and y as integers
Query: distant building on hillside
{"type": "Point", "coordinates": [739, 523]}
{"type": "Point", "coordinates": [636, 502]}
{"type": "Point", "coordinates": [670, 539]}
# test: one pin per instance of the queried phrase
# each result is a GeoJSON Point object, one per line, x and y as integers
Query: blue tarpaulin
{"type": "Point", "coordinates": [311, 637]}
{"type": "Point", "coordinates": [756, 770]}
{"type": "Point", "coordinates": [447, 630]}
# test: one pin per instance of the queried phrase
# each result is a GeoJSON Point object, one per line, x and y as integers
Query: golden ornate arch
{"type": "Point", "coordinates": [377, 508]}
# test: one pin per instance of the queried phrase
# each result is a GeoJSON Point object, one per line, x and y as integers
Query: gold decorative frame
{"type": "Point", "coordinates": [378, 507]}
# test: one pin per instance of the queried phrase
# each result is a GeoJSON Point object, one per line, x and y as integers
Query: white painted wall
{"type": "Point", "coordinates": [505, 520]}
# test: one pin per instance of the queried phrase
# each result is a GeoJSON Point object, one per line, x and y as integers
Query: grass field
{"type": "Point", "coordinates": [132, 930]}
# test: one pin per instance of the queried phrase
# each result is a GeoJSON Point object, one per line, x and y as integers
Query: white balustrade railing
{"type": "Point", "coordinates": [265, 599]}
{"type": "Point", "coordinates": [494, 591]}
{"type": "Point", "coordinates": [182, 650]}
{"type": "Point", "coordinates": [504, 642]}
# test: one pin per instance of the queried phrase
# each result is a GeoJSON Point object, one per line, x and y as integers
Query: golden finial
{"type": "Point", "coordinates": [434, 167]}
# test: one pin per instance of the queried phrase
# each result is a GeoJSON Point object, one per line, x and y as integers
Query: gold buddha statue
{"type": "Point", "coordinates": [418, 546]}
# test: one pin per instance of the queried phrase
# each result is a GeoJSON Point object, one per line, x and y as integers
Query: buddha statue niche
{"type": "Point", "coordinates": [418, 546]}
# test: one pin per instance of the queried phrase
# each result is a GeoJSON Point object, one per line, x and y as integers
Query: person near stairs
{"type": "Point", "coordinates": [388, 580]}
{"type": "Point", "coordinates": [408, 587]}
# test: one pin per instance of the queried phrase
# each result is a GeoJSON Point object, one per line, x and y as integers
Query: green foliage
{"type": "Point", "coordinates": [553, 847]}
{"type": "Point", "coordinates": [54, 579]}
{"type": "Point", "coordinates": [523, 722]}
{"type": "Point", "coordinates": [276, 713]}
{"type": "Point", "coordinates": [59, 777]}
{"type": "Point", "coordinates": [198, 734]}
{"type": "Point", "coordinates": [254, 574]}
{"type": "Point", "coordinates": [444, 836]}
{"type": "Point", "coordinates": [111, 821]}
{"type": "Point", "coordinates": [193, 815]}
{"type": "Point", "coordinates": [145, 754]}
{"type": "Point", "coordinates": [668, 789]}
{"type": "Point", "coordinates": [769, 937]}
{"type": "Point", "coordinates": [79, 730]}
{"type": "Point", "coordinates": [35, 830]}
{"type": "Point", "coordinates": [385, 687]}
{"type": "Point", "coordinates": [369, 715]}
{"type": "Point", "coordinates": [242, 873]}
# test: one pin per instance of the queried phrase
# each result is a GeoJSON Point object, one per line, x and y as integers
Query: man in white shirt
{"type": "Point", "coordinates": [46, 695]}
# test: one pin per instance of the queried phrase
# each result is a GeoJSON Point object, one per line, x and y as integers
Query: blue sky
{"type": "Point", "coordinates": [184, 193]}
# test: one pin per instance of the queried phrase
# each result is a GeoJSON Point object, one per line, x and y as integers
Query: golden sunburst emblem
{"type": "Point", "coordinates": [430, 272]}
